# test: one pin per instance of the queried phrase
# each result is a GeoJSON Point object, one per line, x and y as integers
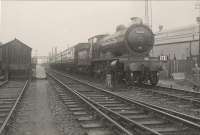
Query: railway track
{"type": "Point", "coordinates": [130, 114]}
{"type": "Point", "coordinates": [187, 102]}
{"type": "Point", "coordinates": [185, 95]}
{"type": "Point", "coordinates": [11, 93]}
{"type": "Point", "coordinates": [90, 118]}
{"type": "Point", "coordinates": [184, 108]}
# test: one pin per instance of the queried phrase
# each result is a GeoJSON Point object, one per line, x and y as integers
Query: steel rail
{"type": "Point", "coordinates": [181, 115]}
{"type": "Point", "coordinates": [185, 121]}
{"type": "Point", "coordinates": [5, 123]}
{"type": "Point", "coordinates": [193, 94]}
{"type": "Point", "coordinates": [182, 91]}
{"type": "Point", "coordinates": [170, 111]}
{"type": "Point", "coordinates": [178, 114]}
{"type": "Point", "coordinates": [175, 96]}
{"type": "Point", "coordinates": [122, 118]}
{"type": "Point", "coordinates": [122, 129]}
{"type": "Point", "coordinates": [113, 113]}
{"type": "Point", "coordinates": [190, 98]}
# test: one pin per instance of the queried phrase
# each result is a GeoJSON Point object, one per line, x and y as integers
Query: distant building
{"type": "Point", "coordinates": [179, 43]}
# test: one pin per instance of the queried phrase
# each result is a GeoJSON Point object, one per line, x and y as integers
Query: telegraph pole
{"type": "Point", "coordinates": [197, 6]}
{"type": "Point", "coordinates": [198, 20]}
{"type": "Point", "coordinates": [147, 12]}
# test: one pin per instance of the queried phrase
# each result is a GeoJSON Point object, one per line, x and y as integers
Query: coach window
{"type": "Point", "coordinates": [94, 40]}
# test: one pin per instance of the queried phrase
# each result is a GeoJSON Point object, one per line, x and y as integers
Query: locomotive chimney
{"type": "Point", "coordinates": [160, 27]}
{"type": "Point", "coordinates": [136, 20]}
{"type": "Point", "coordinates": [55, 50]}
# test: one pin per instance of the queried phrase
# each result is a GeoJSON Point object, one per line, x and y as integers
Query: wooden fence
{"type": "Point", "coordinates": [176, 66]}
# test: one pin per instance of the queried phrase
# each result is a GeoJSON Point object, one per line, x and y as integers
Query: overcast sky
{"type": "Point", "coordinates": [46, 24]}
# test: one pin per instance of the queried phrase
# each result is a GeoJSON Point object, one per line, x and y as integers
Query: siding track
{"type": "Point", "coordinates": [91, 119]}
{"type": "Point", "coordinates": [182, 103]}
{"type": "Point", "coordinates": [130, 114]}
{"type": "Point", "coordinates": [11, 93]}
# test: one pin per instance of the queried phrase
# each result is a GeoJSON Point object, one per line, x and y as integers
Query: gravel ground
{"type": "Point", "coordinates": [65, 122]}
{"type": "Point", "coordinates": [41, 113]}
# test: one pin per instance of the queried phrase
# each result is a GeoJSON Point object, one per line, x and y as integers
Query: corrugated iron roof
{"type": "Point", "coordinates": [15, 41]}
{"type": "Point", "coordinates": [181, 34]}
{"type": "Point", "coordinates": [191, 26]}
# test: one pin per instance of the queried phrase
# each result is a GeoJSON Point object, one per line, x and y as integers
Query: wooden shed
{"type": "Point", "coordinates": [15, 59]}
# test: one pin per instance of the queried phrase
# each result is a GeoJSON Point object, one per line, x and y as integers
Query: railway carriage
{"type": "Point", "coordinates": [67, 59]}
{"type": "Point", "coordinates": [81, 57]}
{"type": "Point", "coordinates": [68, 56]}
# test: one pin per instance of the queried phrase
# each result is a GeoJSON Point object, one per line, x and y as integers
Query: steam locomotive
{"type": "Point", "coordinates": [124, 56]}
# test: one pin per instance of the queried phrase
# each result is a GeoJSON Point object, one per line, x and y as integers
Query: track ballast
{"type": "Point", "coordinates": [129, 114]}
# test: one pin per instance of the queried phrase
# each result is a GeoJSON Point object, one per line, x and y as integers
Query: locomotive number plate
{"type": "Point", "coordinates": [139, 32]}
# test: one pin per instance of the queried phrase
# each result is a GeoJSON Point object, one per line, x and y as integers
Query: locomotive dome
{"type": "Point", "coordinates": [120, 27]}
{"type": "Point", "coordinates": [139, 38]}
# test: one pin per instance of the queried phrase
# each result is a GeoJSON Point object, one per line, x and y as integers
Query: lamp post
{"type": "Point", "coordinates": [198, 21]}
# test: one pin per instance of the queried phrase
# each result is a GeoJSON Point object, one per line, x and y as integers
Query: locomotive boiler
{"type": "Point", "coordinates": [137, 39]}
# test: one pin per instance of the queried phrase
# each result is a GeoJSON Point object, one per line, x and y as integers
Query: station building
{"type": "Point", "coordinates": [181, 46]}
{"type": "Point", "coordinates": [180, 43]}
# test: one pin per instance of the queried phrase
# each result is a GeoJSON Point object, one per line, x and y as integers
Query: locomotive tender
{"type": "Point", "coordinates": [123, 55]}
